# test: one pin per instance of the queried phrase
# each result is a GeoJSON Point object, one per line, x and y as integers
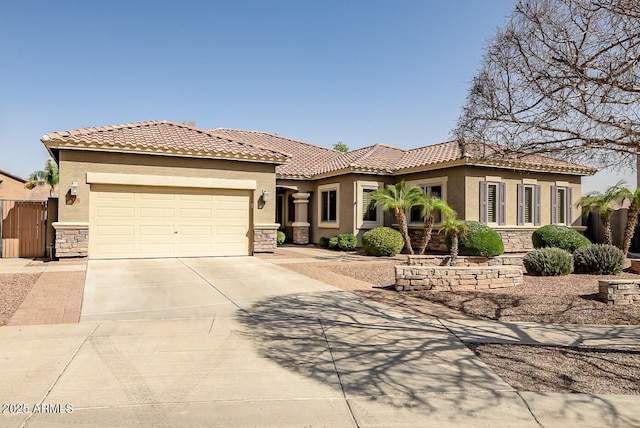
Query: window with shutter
{"type": "Point", "coordinates": [492, 203]}
{"type": "Point", "coordinates": [528, 204]}
{"type": "Point", "coordinates": [561, 205]}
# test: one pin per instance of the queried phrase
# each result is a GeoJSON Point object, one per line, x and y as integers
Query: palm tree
{"type": "Point", "coordinates": [398, 198]}
{"type": "Point", "coordinates": [428, 208]}
{"type": "Point", "coordinates": [602, 203]}
{"type": "Point", "coordinates": [456, 229]}
{"type": "Point", "coordinates": [632, 216]}
{"type": "Point", "coordinates": [47, 176]}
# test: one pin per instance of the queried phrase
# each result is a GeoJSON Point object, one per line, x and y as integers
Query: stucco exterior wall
{"type": "Point", "coordinates": [348, 209]}
{"type": "Point", "coordinates": [74, 166]}
{"type": "Point", "coordinates": [453, 180]}
{"type": "Point", "coordinates": [10, 188]}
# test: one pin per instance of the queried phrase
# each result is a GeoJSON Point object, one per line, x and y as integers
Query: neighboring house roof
{"type": "Point", "coordinates": [15, 177]}
{"type": "Point", "coordinates": [305, 157]}
{"type": "Point", "coordinates": [41, 192]}
{"type": "Point", "coordinates": [160, 138]}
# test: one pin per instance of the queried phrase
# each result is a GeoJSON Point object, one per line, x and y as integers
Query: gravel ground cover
{"type": "Point", "coordinates": [13, 290]}
{"type": "Point", "coordinates": [570, 299]}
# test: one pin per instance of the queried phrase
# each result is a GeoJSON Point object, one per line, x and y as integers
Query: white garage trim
{"type": "Point", "coordinates": [169, 181]}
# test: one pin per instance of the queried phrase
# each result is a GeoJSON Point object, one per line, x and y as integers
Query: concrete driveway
{"type": "Point", "coordinates": [237, 342]}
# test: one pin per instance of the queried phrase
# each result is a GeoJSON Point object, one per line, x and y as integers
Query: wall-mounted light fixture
{"type": "Point", "coordinates": [265, 196]}
{"type": "Point", "coordinates": [74, 189]}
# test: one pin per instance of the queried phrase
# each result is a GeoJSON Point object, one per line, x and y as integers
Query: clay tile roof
{"type": "Point", "coordinates": [429, 155]}
{"type": "Point", "coordinates": [42, 192]}
{"type": "Point", "coordinates": [161, 137]}
{"type": "Point", "coordinates": [305, 158]}
{"type": "Point", "coordinates": [492, 153]}
{"type": "Point", "coordinates": [376, 158]}
{"type": "Point", "coordinates": [486, 153]}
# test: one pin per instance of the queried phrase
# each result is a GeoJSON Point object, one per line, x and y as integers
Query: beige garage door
{"type": "Point", "coordinates": [139, 222]}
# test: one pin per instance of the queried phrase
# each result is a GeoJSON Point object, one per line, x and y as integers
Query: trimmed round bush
{"type": "Point", "coordinates": [554, 235]}
{"type": "Point", "coordinates": [333, 242]}
{"type": "Point", "coordinates": [347, 241]}
{"type": "Point", "coordinates": [481, 240]}
{"type": "Point", "coordinates": [382, 241]}
{"type": "Point", "coordinates": [281, 238]}
{"type": "Point", "coordinates": [548, 261]}
{"type": "Point", "coordinates": [324, 242]}
{"type": "Point", "coordinates": [599, 259]}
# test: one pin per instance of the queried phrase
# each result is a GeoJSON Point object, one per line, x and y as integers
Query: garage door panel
{"type": "Point", "coordinates": [136, 222]}
{"type": "Point", "coordinates": [116, 231]}
{"type": "Point", "coordinates": [157, 231]}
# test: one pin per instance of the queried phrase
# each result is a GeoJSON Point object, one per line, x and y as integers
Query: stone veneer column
{"type": "Point", "coordinates": [301, 224]}
{"type": "Point", "coordinates": [72, 239]}
{"type": "Point", "coordinates": [265, 238]}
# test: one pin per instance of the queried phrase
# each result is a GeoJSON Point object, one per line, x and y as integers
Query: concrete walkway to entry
{"type": "Point", "coordinates": [236, 342]}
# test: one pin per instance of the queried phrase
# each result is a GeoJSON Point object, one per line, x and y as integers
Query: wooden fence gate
{"type": "Point", "coordinates": [23, 228]}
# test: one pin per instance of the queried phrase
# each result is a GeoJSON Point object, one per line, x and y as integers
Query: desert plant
{"type": "Point", "coordinates": [454, 229]}
{"type": "Point", "coordinates": [555, 235]}
{"type": "Point", "coordinates": [481, 240]}
{"type": "Point", "coordinates": [428, 207]}
{"type": "Point", "coordinates": [280, 238]}
{"type": "Point", "coordinates": [398, 198]}
{"type": "Point", "coordinates": [599, 259]}
{"type": "Point", "coordinates": [347, 241]}
{"type": "Point", "coordinates": [324, 242]}
{"type": "Point", "coordinates": [632, 216]}
{"type": "Point", "coordinates": [49, 176]}
{"type": "Point", "coordinates": [548, 262]}
{"type": "Point", "coordinates": [602, 202]}
{"type": "Point", "coordinates": [382, 241]}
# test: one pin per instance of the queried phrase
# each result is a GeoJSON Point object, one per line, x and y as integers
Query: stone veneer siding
{"type": "Point", "coordinates": [265, 240]}
{"type": "Point", "coordinates": [72, 243]}
{"type": "Point", "coordinates": [301, 235]}
{"type": "Point", "coordinates": [414, 278]}
{"type": "Point", "coordinates": [619, 291]}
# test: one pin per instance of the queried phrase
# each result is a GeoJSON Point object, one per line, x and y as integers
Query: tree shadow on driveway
{"type": "Point", "coordinates": [369, 350]}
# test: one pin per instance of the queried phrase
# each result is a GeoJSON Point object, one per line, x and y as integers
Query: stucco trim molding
{"type": "Point", "coordinates": [62, 225]}
{"type": "Point", "coordinates": [169, 181]}
{"type": "Point", "coordinates": [263, 226]}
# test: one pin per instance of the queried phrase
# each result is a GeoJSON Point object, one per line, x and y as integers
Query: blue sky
{"type": "Point", "coordinates": [360, 72]}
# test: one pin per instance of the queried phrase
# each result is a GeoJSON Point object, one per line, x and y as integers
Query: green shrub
{"type": "Point", "coordinates": [548, 262]}
{"type": "Point", "coordinates": [324, 242]}
{"type": "Point", "coordinates": [281, 237]}
{"type": "Point", "coordinates": [347, 241]}
{"type": "Point", "coordinates": [333, 242]}
{"type": "Point", "coordinates": [382, 241]}
{"type": "Point", "coordinates": [480, 240]}
{"type": "Point", "coordinates": [599, 259]}
{"type": "Point", "coordinates": [554, 235]}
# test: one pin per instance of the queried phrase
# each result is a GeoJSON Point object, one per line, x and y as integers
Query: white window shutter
{"type": "Point", "coordinates": [483, 202]}
{"type": "Point", "coordinates": [502, 207]}
{"type": "Point", "coordinates": [536, 205]}
{"type": "Point", "coordinates": [520, 214]}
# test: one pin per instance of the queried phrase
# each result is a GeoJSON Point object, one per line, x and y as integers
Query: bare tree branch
{"type": "Point", "coordinates": [561, 78]}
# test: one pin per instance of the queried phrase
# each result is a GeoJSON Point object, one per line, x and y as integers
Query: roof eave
{"type": "Point", "coordinates": [54, 146]}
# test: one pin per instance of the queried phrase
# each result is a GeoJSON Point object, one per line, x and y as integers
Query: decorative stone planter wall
{"type": "Point", "coordinates": [454, 278]}
{"type": "Point", "coordinates": [442, 260]}
{"type": "Point", "coordinates": [619, 291]}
